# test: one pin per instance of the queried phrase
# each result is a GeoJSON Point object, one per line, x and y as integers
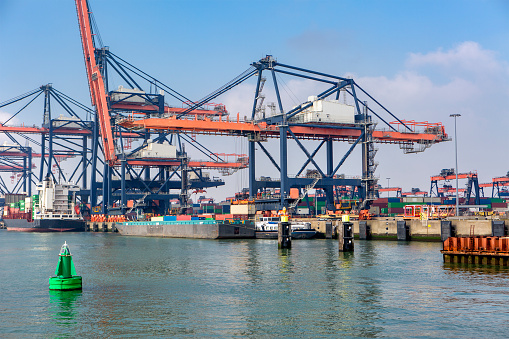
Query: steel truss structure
{"type": "Point", "coordinates": [284, 126]}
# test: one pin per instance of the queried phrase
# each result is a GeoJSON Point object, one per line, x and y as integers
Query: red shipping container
{"type": "Point", "coordinates": [499, 205]}
{"type": "Point", "coordinates": [183, 217]}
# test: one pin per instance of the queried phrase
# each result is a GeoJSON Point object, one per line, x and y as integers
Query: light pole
{"type": "Point", "coordinates": [456, 153]}
{"type": "Point", "coordinates": [388, 192]}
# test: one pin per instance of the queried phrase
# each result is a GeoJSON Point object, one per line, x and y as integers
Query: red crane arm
{"type": "Point", "coordinates": [208, 126]}
{"type": "Point", "coordinates": [95, 81]}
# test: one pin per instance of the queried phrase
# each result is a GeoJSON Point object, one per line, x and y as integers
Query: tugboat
{"type": "Point", "coordinates": [266, 228]}
{"type": "Point", "coordinates": [53, 209]}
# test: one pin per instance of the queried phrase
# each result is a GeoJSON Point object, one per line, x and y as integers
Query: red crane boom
{"type": "Point", "coordinates": [95, 81]}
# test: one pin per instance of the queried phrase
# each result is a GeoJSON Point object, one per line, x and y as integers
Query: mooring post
{"type": "Point", "coordinates": [328, 230]}
{"type": "Point", "coordinates": [284, 239]}
{"type": "Point", "coordinates": [345, 235]}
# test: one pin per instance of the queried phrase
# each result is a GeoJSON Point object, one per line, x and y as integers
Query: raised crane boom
{"type": "Point", "coordinates": [95, 81]}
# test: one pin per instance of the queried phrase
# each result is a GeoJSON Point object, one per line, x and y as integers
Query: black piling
{"type": "Point", "coordinates": [345, 236]}
{"type": "Point", "coordinates": [284, 239]}
{"type": "Point", "coordinates": [364, 230]}
{"type": "Point", "coordinates": [498, 228]}
{"type": "Point", "coordinates": [403, 231]}
{"type": "Point", "coordinates": [446, 230]}
{"type": "Point", "coordinates": [328, 230]}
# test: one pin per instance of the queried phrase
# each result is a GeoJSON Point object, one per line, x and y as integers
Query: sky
{"type": "Point", "coordinates": [423, 60]}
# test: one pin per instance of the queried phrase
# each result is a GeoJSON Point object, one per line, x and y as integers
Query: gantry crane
{"type": "Point", "coordinates": [299, 124]}
{"type": "Point", "coordinates": [140, 111]}
{"type": "Point", "coordinates": [62, 137]}
{"type": "Point", "coordinates": [498, 186]}
{"type": "Point", "coordinates": [391, 189]}
{"type": "Point", "coordinates": [112, 105]}
{"type": "Point", "coordinates": [472, 185]}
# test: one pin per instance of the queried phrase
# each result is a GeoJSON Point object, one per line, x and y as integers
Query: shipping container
{"type": "Point", "coordinates": [243, 209]}
{"type": "Point", "coordinates": [302, 210]}
{"type": "Point", "coordinates": [413, 199]}
{"type": "Point", "coordinates": [183, 217]}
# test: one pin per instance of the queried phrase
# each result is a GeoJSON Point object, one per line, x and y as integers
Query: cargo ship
{"type": "Point", "coordinates": [53, 209]}
{"type": "Point", "coordinates": [185, 226]}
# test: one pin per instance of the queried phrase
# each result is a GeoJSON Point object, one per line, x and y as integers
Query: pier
{"type": "Point", "coordinates": [477, 250]}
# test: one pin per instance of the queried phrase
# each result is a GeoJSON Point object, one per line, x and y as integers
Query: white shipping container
{"type": "Point", "coordinates": [155, 150]}
{"type": "Point", "coordinates": [413, 199]}
{"type": "Point", "coordinates": [327, 112]}
{"type": "Point", "coordinates": [126, 95]}
{"type": "Point", "coordinates": [243, 209]}
{"type": "Point", "coordinates": [194, 176]}
{"type": "Point", "coordinates": [431, 199]}
{"type": "Point", "coordinates": [302, 210]}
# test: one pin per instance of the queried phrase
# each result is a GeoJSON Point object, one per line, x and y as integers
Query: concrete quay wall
{"type": "Point", "coordinates": [102, 226]}
{"type": "Point", "coordinates": [386, 228]}
{"type": "Point", "coordinates": [426, 229]}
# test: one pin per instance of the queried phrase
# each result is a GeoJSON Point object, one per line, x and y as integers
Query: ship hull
{"type": "Point", "coordinates": [44, 225]}
{"type": "Point", "coordinates": [206, 229]}
{"type": "Point", "coordinates": [298, 234]}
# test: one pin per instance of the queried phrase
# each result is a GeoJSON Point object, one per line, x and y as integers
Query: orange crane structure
{"type": "Point", "coordinates": [391, 189]}
{"type": "Point", "coordinates": [66, 137]}
{"type": "Point", "coordinates": [498, 186]}
{"type": "Point", "coordinates": [473, 186]}
{"type": "Point", "coordinates": [161, 153]}
{"type": "Point", "coordinates": [307, 121]}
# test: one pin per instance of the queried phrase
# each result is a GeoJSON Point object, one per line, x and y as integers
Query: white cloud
{"type": "Point", "coordinates": [468, 56]}
{"type": "Point", "coordinates": [465, 79]}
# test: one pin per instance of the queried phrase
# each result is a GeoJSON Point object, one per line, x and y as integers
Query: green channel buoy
{"type": "Point", "coordinates": [66, 278]}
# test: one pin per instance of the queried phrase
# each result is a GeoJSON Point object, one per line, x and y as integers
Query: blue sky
{"type": "Point", "coordinates": [422, 59]}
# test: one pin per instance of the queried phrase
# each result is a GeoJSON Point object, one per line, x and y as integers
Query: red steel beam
{"type": "Point", "coordinates": [207, 126]}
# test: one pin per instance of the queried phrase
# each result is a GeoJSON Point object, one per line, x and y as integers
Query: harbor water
{"type": "Point", "coordinates": [161, 287]}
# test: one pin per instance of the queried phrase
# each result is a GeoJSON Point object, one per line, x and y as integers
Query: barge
{"type": "Point", "coordinates": [198, 229]}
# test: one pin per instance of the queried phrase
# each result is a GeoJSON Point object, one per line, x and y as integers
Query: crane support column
{"type": "Point", "coordinates": [329, 192]}
{"type": "Point", "coordinates": [93, 173]}
{"type": "Point", "coordinates": [252, 172]}
{"type": "Point", "coordinates": [43, 157]}
{"type": "Point", "coordinates": [24, 174]}
{"type": "Point", "coordinates": [123, 195]}
{"type": "Point", "coordinates": [50, 153]}
{"type": "Point", "coordinates": [283, 154]}
{"type": "Point", "coordinates": [29, 171]}
{"type": "Point", "coordinates": [105, 188]}
{"type": "Point", "coordinates": [84, 164]}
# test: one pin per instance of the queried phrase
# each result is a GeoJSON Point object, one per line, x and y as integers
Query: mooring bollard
{"type": "Point", "coordinates": [345, 235]}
